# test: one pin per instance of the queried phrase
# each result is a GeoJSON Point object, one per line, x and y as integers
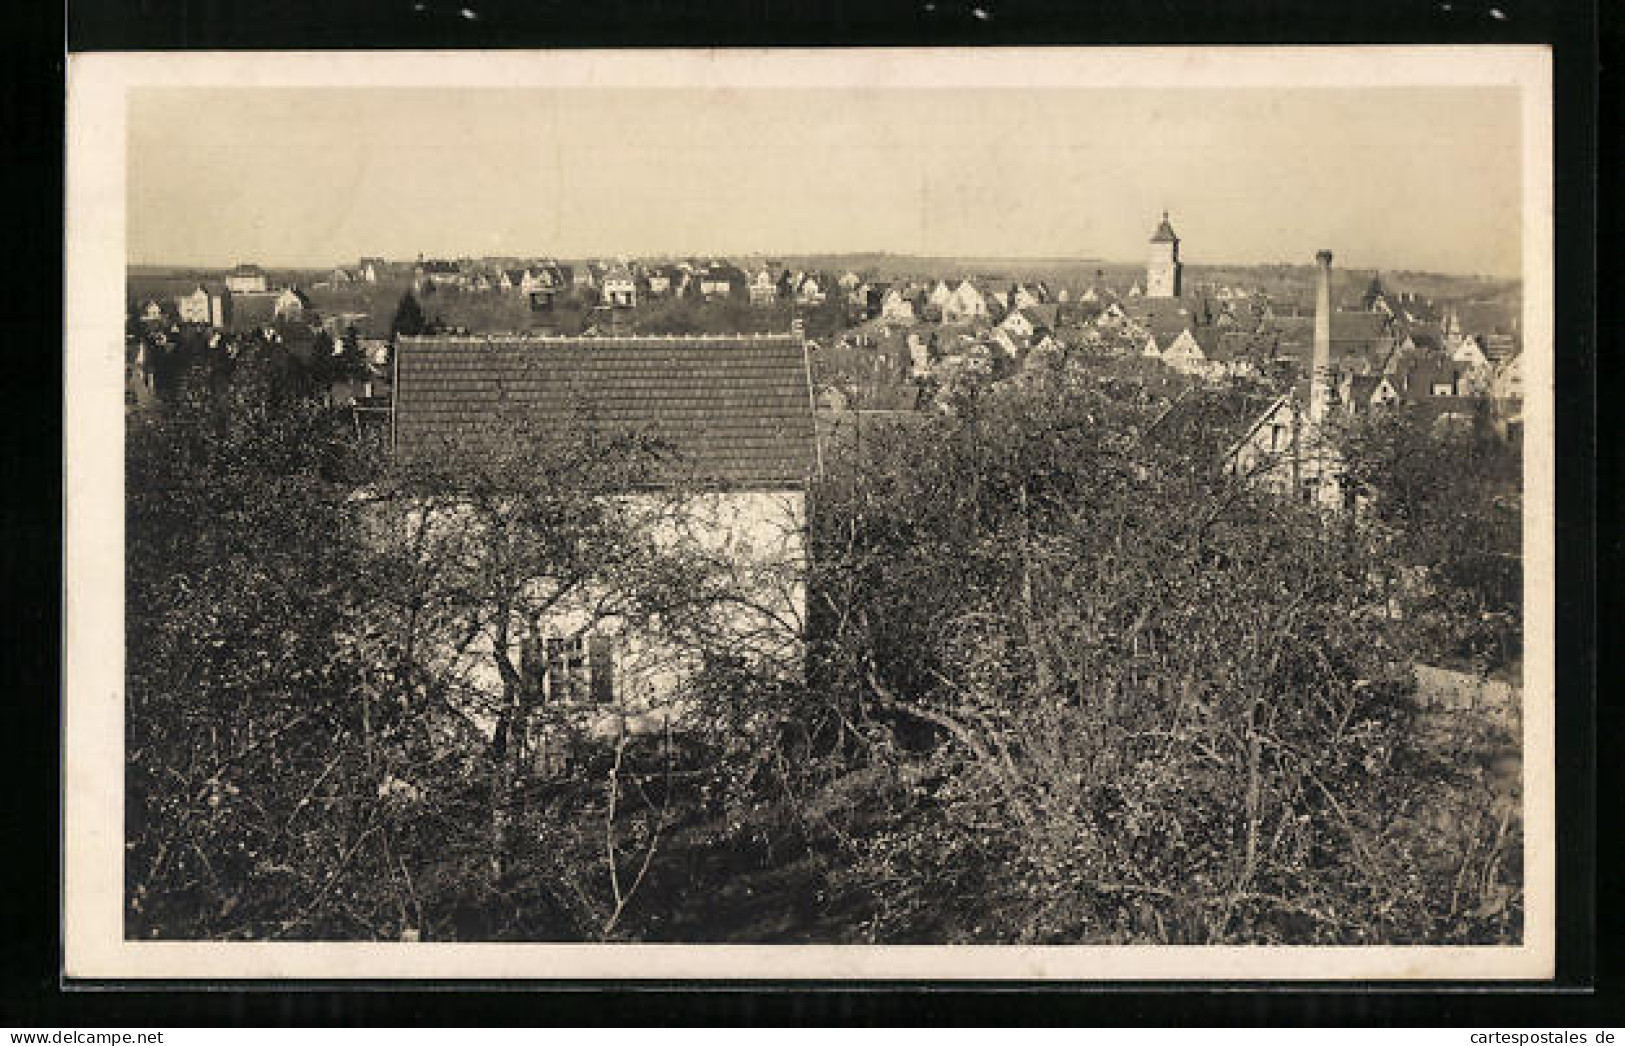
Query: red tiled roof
{"type": "Point", "coordinates": [735, 410]}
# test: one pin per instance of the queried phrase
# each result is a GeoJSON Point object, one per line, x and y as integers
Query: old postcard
{"type": "Point", "coordinates": [1056, 514]}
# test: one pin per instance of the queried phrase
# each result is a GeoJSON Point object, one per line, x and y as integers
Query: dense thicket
{"type": "Point", "coordinates": [1067, 681]}
{"type": "Point", "coordinates": [1120, 696]}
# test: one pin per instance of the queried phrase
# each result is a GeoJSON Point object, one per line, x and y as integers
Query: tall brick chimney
{"type": "Point", "coordinates": [1320, 376]}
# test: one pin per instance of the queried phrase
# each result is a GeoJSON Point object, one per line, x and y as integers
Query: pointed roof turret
{"type": "Point", "coordinates": [1165, 232]}
{"type": "Point", "coordinates": [1375, 290]}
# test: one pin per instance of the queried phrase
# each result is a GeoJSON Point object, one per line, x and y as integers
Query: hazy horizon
{"type": "Point", "coordinates": [1080, 260]}
{"type": "Point", "coordinates": [1387, 178]}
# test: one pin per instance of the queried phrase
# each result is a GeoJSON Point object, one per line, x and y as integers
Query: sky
{"type": "Point", "coordinates": [1392, 178]}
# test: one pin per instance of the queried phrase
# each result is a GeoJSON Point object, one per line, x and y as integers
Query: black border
{"type": "Point", "coordinates": [30, 543]}
{"type": "Point", "coordinates": [98, 25]}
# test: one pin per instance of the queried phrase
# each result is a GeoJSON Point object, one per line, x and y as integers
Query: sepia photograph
{"type": "Point", "coordinates": [1075, 514]}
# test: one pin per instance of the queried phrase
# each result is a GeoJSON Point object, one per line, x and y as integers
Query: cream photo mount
{"type": "Point", "coordinates": [99, 86]}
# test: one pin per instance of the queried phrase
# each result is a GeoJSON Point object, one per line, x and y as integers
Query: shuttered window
{"type": "Point", "coordinates": [566, 670]}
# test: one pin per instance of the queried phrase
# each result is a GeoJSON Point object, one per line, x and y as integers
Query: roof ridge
{"type": "Point", "coordinates": [489, 336]}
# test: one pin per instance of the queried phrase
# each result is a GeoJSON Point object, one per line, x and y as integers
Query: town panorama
{"type": "Point", "coordinates": [857, 599]}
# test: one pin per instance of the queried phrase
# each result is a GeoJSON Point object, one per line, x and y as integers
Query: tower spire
{"type": "Point", "coordinates": [1163, 271]}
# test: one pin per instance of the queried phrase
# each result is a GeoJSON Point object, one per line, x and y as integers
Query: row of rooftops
{"type": "Point", "coordinates": [1479, 317]}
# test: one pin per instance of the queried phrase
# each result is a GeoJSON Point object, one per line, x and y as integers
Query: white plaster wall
{"type": "Point", "coordinates": [755, 541]}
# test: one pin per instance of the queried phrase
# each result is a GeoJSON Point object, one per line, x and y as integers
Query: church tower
{"type": "Point", "coordinates": [1162, 274]}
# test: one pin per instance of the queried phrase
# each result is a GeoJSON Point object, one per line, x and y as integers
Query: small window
{"type": "Point", "coordinates": [566, 678]}
{"type": "Point", "coordinates": [579, 669]}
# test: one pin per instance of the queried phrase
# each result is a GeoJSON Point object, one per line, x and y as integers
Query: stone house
{"type": "Point", "coordinates": [619, 289]}
{"type": "Point", "coordinates": [246, 279]}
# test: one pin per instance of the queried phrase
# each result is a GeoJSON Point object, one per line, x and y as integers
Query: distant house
{"type": "Point", "coordinates": [764, 287]}
{"type": "Point", "coordinates": [896, 306]}
{"type": "Point", "coordinates": [1431, 377]}
{"type": "Point", "coordinates": [438, 272]}
{"type": "Point", "coordinates": [1031, 320]}
{"type": "Point", "coordinates": [372, 270]}
{"type": "Point", "coordinates": [140, 389]}
{"type": "Point", "coordinates": [811, 290]}
{"type": "Point", "coordinates": [290, 304]}
{"type": "Point", "coordinates": [663, 281]}
{"type": "Point", "coordinates": [1469, 352]}
{"type": "Point", "coordinates": [193, 306]}
{"type": "Point", "coordinates": [619, 289]}
{"type": "Point", "coordinates": [340, 277]}
{"type": "Point", "coordinates": [530, 281]}
{"type": "Point", "coordinates": [1285, 308]}
{"type": "Point", "coordinates": [1506, 389]}
{"type": "Point", "coordinates": [1375, 298]}
{"type": "Point", "coordinates": [246, 279]}
{"type": "Point", "coordinates": [1412, 309]}
{"type": "Point", "coordinates": [940, 293]}
{"type": "Point", "coordinates": [204, 306]}
{"type": "Point", "coordinates": [1194, 352]}
{"type": "Point", "coordinates": [1285, 451]}
{"type": "Point", "coordinates": [1498, 348]}
{"type": "Point", "coordinates": [1111, 317]}
{"type": "Point", "coordinates": [1361, 342]}
{"type": "Point", "coordinates": [737, 413]}
{"type": "Point", "coordinates": [721, 280]}
{"type": "Point", "coordinates": [151, 312]}
{"type": "Point", "coordinates": [833, 399]}
{"type": "Point", "coordinates": [1017, 324]}
{"type": "Point", "coordinates": [919, 355]}
{"type": "Point", "coordinates": [336, 324]}
{"type": "Point", "coordinates": [1009, 343]}
{"type": "Point", "coordinates": [1508, 381]}
{"type": "Point", "coordinates": [965, 304]}
{"type": "Point", "coordinates": [1021, 297]}
{"type": "Point", "coordinates": [1363, 393]}
{"type": "Point", "coordinates": [1420, 338]}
